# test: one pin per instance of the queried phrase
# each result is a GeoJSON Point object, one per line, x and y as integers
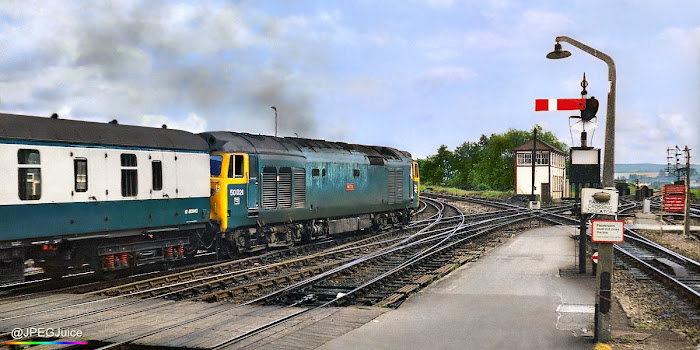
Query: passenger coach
{"type": "Point", "coordinates": [107, 195]}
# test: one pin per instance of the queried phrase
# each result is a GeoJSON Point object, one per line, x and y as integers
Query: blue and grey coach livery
{"type": "Point", "coordinates": [108, 195]}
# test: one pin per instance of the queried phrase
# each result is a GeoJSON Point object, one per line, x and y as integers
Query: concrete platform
{"type": "Point", "coordinates": [512, 298]}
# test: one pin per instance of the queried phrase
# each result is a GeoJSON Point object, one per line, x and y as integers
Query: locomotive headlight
{"type": "Point", "coordinates": [217, 188]}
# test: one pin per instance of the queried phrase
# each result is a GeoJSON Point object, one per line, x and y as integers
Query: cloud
{"type": "Point", "coordinates": [134, 60]}
{"type": "Point", "coordinates": [438, 77]}
{"type": "Point", "coordinates": [543, 21]}
{"type": "Point", "coordinates": [649, 137]}
{"type": "Point", "coordinates": [439, 4]}
{"type": "Point", "coordinates": [193, 122]}
{"type": "Point", "coordinates": [452, 45]}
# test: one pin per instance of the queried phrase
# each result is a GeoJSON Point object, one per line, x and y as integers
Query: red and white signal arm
{"type": "Point", "coordinates": [607, 231]}
{"type": "Point", "coordinates": [560, 104]}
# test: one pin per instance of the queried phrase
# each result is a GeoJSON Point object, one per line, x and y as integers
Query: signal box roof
{"type": "Point", "coordinates": [541, 146]}
{"type": "Point", "coordinates": [226, 141]}
{"type": "Point", "coordinates": [40, 129]}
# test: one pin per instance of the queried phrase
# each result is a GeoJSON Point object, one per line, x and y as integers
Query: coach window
{"type": "Point", "coordinates": [157, 168]}
{"type": "Point", "coordinates": [129, 175]}
{"type": "Point", "coordinates": [356, 173]}
{"type": "Point", "coordinates": [81, 175]}
{"type": "Point", "coordinates": [29, 175]}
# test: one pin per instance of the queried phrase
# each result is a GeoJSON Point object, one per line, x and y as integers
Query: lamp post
{"type": "Point", "coordinates": [604, 273]}
{"type": "Point", "coordinates": [275, 108]}
{"type": "Point", "coordinates": [609, 156]}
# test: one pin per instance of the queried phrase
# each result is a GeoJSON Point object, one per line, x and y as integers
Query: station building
{"type": "Point", "coordinates": [550, 171]}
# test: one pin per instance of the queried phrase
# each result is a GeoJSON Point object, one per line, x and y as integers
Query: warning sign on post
{"type": "Point", "coordinates": [607, 231]}
{"type": "Point", "coordinates": [598, 201]}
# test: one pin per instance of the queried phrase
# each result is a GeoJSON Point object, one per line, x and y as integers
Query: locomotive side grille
{"type": "Point", "coordinates": [391, 187]}
{"type": "Point", "coordinates": [398, 183]}
{"type": "Point", "coordinates": [395, 187]}
{"type": "Point", "coordinates": [285, 188]}
{"type": "Point", "coordinates": [269, 188]}
{"type": "Point", "coordinates": [299, 187]}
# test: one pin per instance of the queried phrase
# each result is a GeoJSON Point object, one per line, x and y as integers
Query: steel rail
{"type": "Point", "coordinates": [201, 317]}
{"type": "Point", "coordinates": [436, 248]}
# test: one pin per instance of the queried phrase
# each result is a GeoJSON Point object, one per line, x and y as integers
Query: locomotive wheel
{"type": "Point", "coordinates": [228, 250]}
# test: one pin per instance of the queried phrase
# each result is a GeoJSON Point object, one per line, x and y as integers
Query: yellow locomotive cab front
{"type": "Point", "coordinates": [415, 174]}
{"type": "Point", "coordinates": [226, 169]}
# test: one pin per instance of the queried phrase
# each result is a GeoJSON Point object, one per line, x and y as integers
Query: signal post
{"type": "Point", "coordinates": [585, 169]}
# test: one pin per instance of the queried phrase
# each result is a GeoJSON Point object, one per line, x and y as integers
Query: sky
{"type": "Point", "coordinates": [409, 74]}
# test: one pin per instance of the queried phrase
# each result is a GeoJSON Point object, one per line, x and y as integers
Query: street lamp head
{"type": "Point", "coordinates": [558, 52]}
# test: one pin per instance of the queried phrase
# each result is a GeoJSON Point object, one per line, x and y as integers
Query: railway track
{"type": "Point", "coordinates": [649, 260]}
{"type": "Point", "coordinates": [389, 257]}
{"type": "Point", "coordinates": [358, 279]}
{"type": "Point", "coordinates": [381, 270]}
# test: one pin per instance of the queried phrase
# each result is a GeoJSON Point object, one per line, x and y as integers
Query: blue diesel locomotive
{"type": "Point", "coordinates": [102, 196]}
{"type": "Point", "coordinates": [270, 191]}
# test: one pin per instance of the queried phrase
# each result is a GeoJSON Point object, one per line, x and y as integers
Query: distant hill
{"type": "Point", "coordinates": [644, 167]}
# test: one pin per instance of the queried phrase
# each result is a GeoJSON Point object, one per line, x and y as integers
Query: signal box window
{"type": "Point", "coordinates": [29, 175]}
{"type": "Point", "coordinates": [524, 158]}
{"type": "Point", "coordinates": [157, 168]}
{"type": "Point", "coordinates": [129, 175]}
{"type": "Point", "coordinates": [81, 175]}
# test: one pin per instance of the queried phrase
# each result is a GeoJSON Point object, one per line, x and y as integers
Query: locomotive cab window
{"type": "Point", "coordinates": [315, 172]}
{"type": "Point", "coordinates": [356, 173]}
{"type": "Point", "coordinates": [215, 165]}
{"type": "Point", "coordinates": [81, 175]}
{"type": "Point", "coordinates": [29, 175]}
{"type": "Point", "coordinates": [129, 175]}
{"type": "Point", "coordinates": [157, 167]}
{"type": "Point", "coordinates": [238, 166]}
{"type": "Point", "coordinates": [235, 167]}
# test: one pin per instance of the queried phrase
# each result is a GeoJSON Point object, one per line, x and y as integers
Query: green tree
{"type": "Point", "coordinates": [486, 164]}
{"type": "Point", "coordinates": [464, 158]}
{"type": "Point", "coordinates": [437, 169]}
